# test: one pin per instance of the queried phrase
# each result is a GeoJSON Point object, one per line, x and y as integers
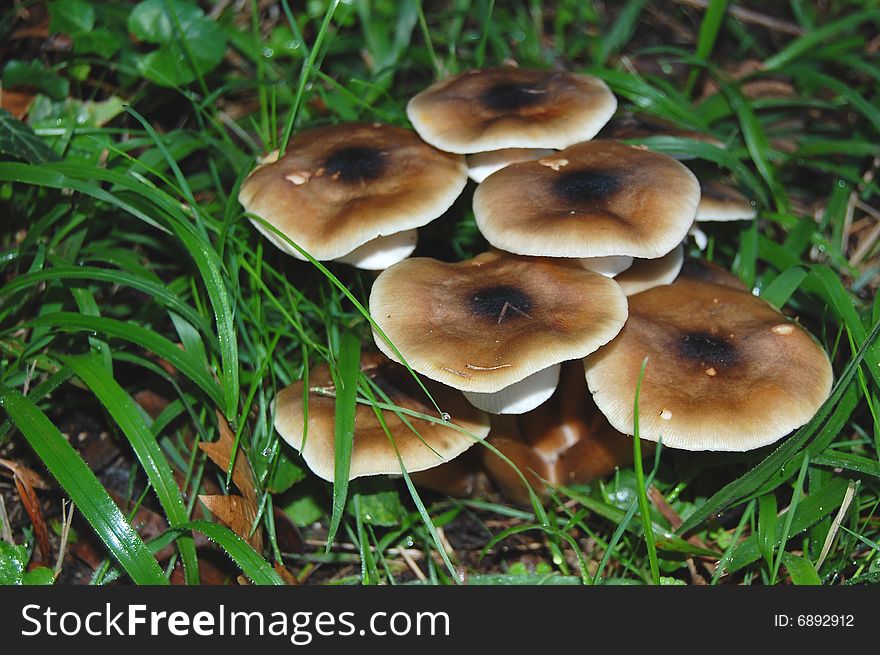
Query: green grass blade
{"type": "Point", "coordinates": [347, 376]}
{"type": "Point", "coordinates": [125, 412]}
{"type": "Point", "coordinates": [709, 28]}
{"type": "Point", "coordinates": [84, 489]}
{"type": "Point", "coordinates": [185, 362]}
{"type": "Point", "coordinates": [808, 512]}
{"type": "Point", "coordinates": [644, 507]}
{"type": "Point", "coordinates": [239, 550]}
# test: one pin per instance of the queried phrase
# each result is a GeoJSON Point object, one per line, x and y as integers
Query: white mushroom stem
{"type": "Point", "coordinates": [699, 236]}
{"type": "Point", "coordinates": [519, 397]}
{"type": "Point", "coordinates": [382, 252]}
{"type": "Point", "coordinates": [482, 164]}
{"type": "Point", "coordinates": [607, 266]}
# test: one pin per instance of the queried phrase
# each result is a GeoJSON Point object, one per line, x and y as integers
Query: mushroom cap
{"type": "Point", "coordinates": [372, 452]}
{"type": "Point", "coordinates": [486, 323]}
{"type": "Point", "coordinates": [721, 202]}
{"type": "Point", "coordinates": [593, 199]}
{"type": "Point", "coordinates": [494, 108]}
{"type": "Point", "coordinates": [339, 187]}
{"type": "Point", "coordinates": [646, 274]}
{"type": "Point", "coordinates": [726, 370]}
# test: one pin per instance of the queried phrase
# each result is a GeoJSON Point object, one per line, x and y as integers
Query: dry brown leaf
{"type": "Point", "coordinates": [237, 512]}
{"type": "Point", "coordinates": [238, 515]}
{"type": "Point", "coordinates": [285, 574]}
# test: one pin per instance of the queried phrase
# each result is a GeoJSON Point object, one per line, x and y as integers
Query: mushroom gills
{"type": "Point", "coordinates": [608, 266]}
{"type": "Point", "coordinates": [519, 397]}
{"type": "Point", "coordinates": [382, 252]}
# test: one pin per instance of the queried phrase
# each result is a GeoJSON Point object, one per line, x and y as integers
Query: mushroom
{"type": "Point", "coordinates": [354, 192]}
{"type": "Point", "coordinates": [725, 371]}
{"type": "Point", "coordinates": [594, 199]}
{"type": "Point", "coordinates": [646, 274]}
{"type": "Point", "coordinates": [566, 440]}
{"type": "Point", "coordinates": [432, 444]}
{"type": "Point", "coordinates": [720, 203]}
{"type": "Point", "coordinates": [496, 326]}
{"type": "Point", "coordinates": [494, 108]}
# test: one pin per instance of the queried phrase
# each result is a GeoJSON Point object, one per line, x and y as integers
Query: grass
{"type": "Point", "coordinates": [127, 264]}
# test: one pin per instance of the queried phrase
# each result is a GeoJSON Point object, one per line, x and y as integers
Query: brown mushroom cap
{"type": "Point", "coordinates": [726, 371]}
{"type": "Point", "coordinates": [721, 202]}
{"type": "Point", "coordinates": [494, 108]}
{"type": "Point", "coordinates": [486, 323]}
{"type": "Point", "coordinates": [646, 274]}
{"type": "Point", "coordinates": [339, 187]}
{"type": "Point", "coordinates": [593, 199]}
{"type": "Point", "coordinates": [372, 452]}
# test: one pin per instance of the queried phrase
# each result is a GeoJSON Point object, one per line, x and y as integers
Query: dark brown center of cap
{"type": "Point", "coordinates": [500, 303]}
{"type": "Point", "coordinates": [586, 186]}
{"type": "Point", "coordinates": [708, 350]}
{"type": "Point", "coordinates": [355, 164]}
{"type": "Point", "coordinates": [510, 97]}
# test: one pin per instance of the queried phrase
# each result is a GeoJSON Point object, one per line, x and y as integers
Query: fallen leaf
{"type": "Point", "coordinates": [26, 480]}
{"type": "Point", "coordinates": [237, 514]}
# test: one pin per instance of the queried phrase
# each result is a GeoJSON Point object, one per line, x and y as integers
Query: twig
{"type": "Point", "coordinates": [841, 513]}
{"type": "Point", "coordinates": [6, 527]}
{"type": "Point", "coordinates": [750, 16]}
{"type": "Point", "coordinates": [67, 518]}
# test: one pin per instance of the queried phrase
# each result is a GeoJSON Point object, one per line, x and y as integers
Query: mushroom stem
{"type": "Point", "coordinates": [608, 266]}
{"type": "Point", "coordinates": [699, 236]}
{"type": "Point", "coordinates": [519, 397]}
{"type": "Point", "coordinates": [382, 252]}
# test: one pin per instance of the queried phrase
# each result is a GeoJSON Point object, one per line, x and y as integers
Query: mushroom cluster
{"type": "Point", "coordinates": [586, 275]}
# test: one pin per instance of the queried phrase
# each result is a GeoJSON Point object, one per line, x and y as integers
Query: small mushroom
{"type": "Point", "coordinates": [496, 326]}
{"type": "Point", "coordinates": [354, 192]}
{"type": "Point", "coordinates": [720, 203]}
{"type": "Point", "coordinates": [608, 199]}
{"type": "Point", "coordinates": [725, 371]}
{"type": "Point", "coordinates": [494, 108]}
{"type": "Point", "coordinates": [646, 274]}
{"type": "Point", "coordinates": [372, 451]}
{"type": "Point", "coordinates": [566, 441]}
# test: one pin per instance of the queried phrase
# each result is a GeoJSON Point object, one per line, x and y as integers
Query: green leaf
{"type": "Point", "coordinates": [35, 75]}
{"type": "Point", "coordinates": [190, 43]}
{"type": "Point", "coordinates": [801, 570]}
{"type": "Point", "coordinates": [101, 42]}
{"type": "Point", "coordinates": [18, 141]}
{"type": "Point", "coordinates": [84, 489]}
{"type": "Point", "coordinates": [72, 17]}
